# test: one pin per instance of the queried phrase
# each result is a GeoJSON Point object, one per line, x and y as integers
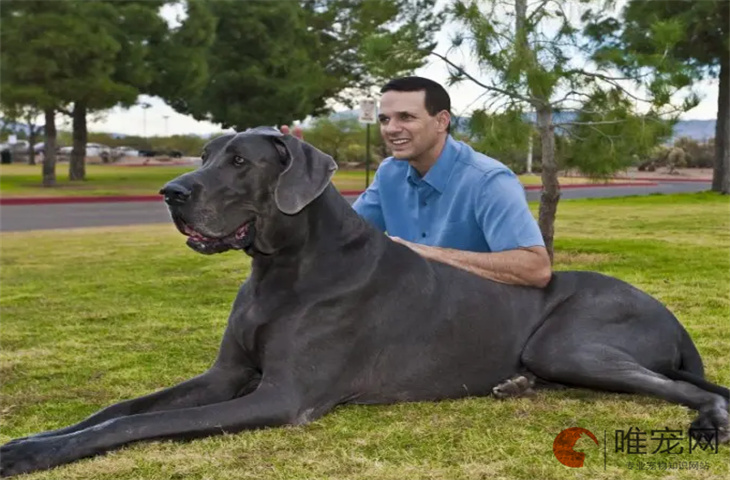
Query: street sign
{"type": "Point", "coordinates": [368, 111]}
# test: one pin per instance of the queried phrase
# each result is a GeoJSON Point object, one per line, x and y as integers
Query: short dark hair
{"type": "Point", "coordinates": [436, 97]}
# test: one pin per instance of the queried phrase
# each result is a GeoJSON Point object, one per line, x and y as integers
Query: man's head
{"type": "Point", "coordinates": [414, 117]}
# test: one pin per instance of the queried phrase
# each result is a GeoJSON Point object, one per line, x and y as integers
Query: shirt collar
{"type": "Point", "coordinates": [439, 174]}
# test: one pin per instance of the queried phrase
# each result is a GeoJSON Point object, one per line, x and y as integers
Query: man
{"type": "Point", "coordinates": [444, 200]}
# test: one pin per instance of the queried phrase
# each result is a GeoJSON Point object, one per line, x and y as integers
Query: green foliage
{"type": "Point", "coordinates": [344, 140]}
{"type": "Point", "coordinates": [698, 154]}
{"type": "Point", "coordinates": [504, 136]}
{"type": "Point", "coordinates": [672, 33]}
{"type": "Point", "coordinates": [275, 62]}
{"type": "Point", "coordinates": [685, 152]}
{"type": "Point", "coordinates": [608, 136]}
{"type": "Point", "coordinates": [179, 59]}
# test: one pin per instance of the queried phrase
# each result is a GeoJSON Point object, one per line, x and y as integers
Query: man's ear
{"type": "Point", "coordinates": [444, 118]}
{"type": "Point", "coordinates": [308, 172]}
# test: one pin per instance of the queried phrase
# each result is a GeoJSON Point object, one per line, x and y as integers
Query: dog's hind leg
{"type": "Point", "coordinates": [518, 386]}
{"type": "Point", "coordinates": [602, 367]}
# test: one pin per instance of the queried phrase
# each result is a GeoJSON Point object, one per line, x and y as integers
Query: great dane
{"type": "Point", "coordinates": [334, 312]}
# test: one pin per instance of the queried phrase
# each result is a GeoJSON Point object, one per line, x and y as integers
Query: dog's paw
{"type": "Point", "coordinates": [25, 456]}
{"type": "Point", "coordinates": [16, 459]}
{"type": "Point", "coordinates": [709, 423]}
{"type": "Point", "coordinates": [517, 386]}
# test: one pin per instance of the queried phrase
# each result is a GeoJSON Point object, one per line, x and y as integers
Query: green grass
{"type": "Point", "coordinates": [25, 180]}
{"type": "Point", "coordinates": [94, 316]}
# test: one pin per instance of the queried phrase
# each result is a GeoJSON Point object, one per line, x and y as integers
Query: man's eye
{"type": "Point", "coordinates": [238, 160]}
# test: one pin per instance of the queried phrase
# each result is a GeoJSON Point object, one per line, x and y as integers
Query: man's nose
{"type": "Point", "coordinates": [391, 127]}
{"type": "Point", "coordinates": [176, 193]}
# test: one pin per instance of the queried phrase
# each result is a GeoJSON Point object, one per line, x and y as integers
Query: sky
{"type": "Point", "coordinates": [161, 120]}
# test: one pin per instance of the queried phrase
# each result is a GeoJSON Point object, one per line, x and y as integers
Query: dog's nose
{"type": "Point", "coordinates": [175, 194]}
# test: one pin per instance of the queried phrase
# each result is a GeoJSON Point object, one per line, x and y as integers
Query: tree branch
{"type": "Point", "coordinates": [529, 100]}
{"type": "Point", "coordinates": [602, 122]}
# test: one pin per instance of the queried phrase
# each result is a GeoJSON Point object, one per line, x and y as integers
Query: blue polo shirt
{"type": "Point", "coordinates": [466, 201]}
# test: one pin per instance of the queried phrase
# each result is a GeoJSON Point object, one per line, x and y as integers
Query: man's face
{"type": "Point", "coordinates": [406, 125]}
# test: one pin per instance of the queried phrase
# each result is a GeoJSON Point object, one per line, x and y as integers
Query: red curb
{"type": "Point", "coordinates": [90, 199]}
{"type": "Point", "coordinates": [654, 179]}
{"type": "Point", "coordinates": [596, 185]}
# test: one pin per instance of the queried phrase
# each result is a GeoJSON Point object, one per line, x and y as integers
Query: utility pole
{"type": "Point", "coordinates": [144, 106]}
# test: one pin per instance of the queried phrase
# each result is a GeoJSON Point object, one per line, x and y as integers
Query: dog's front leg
{"type": "Point", "coordinates": [265, 407]}
{"type": "Point", "coordinates": [232, 375]}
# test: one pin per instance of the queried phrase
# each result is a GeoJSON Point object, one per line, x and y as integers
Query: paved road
{"type": "Point", "coordinates": [36, 217]}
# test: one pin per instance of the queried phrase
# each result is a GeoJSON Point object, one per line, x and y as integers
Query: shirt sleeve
{"type": "Point", "coordinates": [503, 213]}
{"type": "Point", "coordinates": [368, 204]}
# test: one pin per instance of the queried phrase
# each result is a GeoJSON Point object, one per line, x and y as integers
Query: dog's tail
{"type": "Point", "coordinates": [692, 370]}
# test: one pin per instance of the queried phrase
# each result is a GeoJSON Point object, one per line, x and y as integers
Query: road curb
{"type": "Point", "coordinates": [89, 199]}
{"type": "Point", "coordinates": [158, 198]}
{"type": "Point", "coordinates": [671, 180]}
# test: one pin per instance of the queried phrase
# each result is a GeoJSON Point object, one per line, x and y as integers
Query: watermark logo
{"type": "Point", "coordinates": [564, 444]}
{"type": "Point", "coordinates": [666, 443]}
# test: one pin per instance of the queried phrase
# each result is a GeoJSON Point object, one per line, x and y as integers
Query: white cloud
{"type": "Point", "coordinates": [158, 120]}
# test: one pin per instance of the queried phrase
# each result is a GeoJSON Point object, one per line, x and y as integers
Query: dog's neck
{"type": "Point", "coordinates": [326, 229]}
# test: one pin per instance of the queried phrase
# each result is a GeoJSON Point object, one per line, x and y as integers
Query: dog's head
{"type": "Point", "coordinates": [248, 191]}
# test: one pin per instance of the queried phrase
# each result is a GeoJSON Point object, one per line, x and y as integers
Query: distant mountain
{"type": "Point", "coordinates": [699, 130]}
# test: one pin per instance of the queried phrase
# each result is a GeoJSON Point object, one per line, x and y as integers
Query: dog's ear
{"type": "Point", "coordinates": [307, 173]}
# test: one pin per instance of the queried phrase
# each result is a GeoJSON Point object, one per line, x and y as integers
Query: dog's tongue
{"type": "Point", "coordinates": [242, 231]}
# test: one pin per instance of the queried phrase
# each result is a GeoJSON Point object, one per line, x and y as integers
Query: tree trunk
{"type": "Point", "coordinates": [77, 166]}
{"type": "Point", "coordinates": [32, 136]}
{"type": "Point", "coordinates": [721, 173]}
{"type": "Point", "coordinates": [49, 149]}
{"type": "Point", "coordinates": [550, 186]}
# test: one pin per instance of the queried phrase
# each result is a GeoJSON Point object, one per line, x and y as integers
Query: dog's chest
{"type": "Point", "coordinates": [255, 320]}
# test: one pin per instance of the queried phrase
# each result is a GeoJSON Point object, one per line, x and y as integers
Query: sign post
{"type": "Point", "coordinates": [368, 114]}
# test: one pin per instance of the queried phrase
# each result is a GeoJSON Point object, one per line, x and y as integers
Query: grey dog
{"type": "Point", "coordinates": [334, 312]}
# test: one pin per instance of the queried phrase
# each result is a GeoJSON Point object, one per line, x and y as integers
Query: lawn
{"type": "Point", "coordinates": [25, 180]}
{"type": "Point", "coordinates": [94, 316]}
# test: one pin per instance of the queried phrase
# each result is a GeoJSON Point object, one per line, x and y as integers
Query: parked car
{"type": "Point", "coordinates": [92, 150]}
{"type": "Point", "coordinates": [21, 146]}
{"type": "Point", "coordinates": [155, 153]}
{"type": "Point", "coordinates": [119, 152]}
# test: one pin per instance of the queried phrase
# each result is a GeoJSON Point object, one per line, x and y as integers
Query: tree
{"type": "Point", "coordinates": [537, 61]}
{"type": "Point", "coordinates": [95, 55]}
{"type": "Point", "coordinates": [27, 115]}
{"type": "Point", "coordinates": [700, 34]}
{"type": "Point", "coordinates": [275, 62]}
{"type": "Point", "coordinates": [32, 70]}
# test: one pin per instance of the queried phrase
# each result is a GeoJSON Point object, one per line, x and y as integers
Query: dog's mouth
{"type": "Point", "coordinates": [241, 239]}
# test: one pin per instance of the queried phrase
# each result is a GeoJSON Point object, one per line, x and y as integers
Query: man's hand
{"type": "Point", "coordinates": [522, 266]}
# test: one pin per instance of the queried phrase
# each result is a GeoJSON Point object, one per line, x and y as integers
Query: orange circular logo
{"type": "Point", "coordinates": [564, 443]}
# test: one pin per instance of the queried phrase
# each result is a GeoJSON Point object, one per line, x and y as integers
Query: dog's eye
{"type": "Point", "coordinates": [238, 160]}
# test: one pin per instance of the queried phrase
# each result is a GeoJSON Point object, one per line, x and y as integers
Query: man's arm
{"type": "Point", "coordinates": [524, 266]}
{"type": "Point", "coordinates": [518, 255]}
